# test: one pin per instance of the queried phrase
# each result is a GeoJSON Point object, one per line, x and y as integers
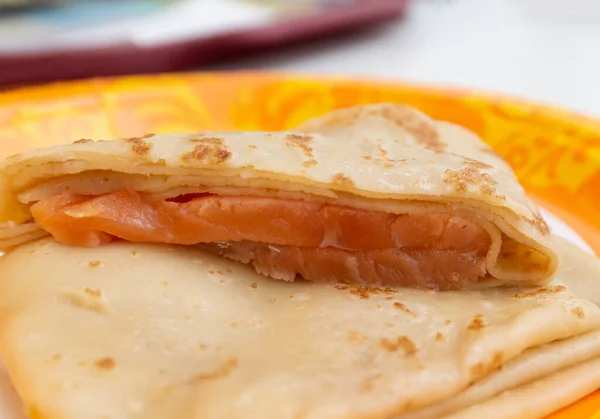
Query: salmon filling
{"type": "Point", "coordinates": [282, 238]}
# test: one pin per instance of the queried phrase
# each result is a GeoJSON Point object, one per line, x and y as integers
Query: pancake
{"type": "Point", "coordinates": [373, 195]}
{"type": "Point", "coordinates": [129, 330]}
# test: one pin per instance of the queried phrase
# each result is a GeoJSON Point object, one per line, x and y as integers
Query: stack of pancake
{"type": "Point", "coordinates": [372, 263]}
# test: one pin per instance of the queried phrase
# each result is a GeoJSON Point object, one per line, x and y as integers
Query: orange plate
{"type": "Point", "coordinates": [556, 154]}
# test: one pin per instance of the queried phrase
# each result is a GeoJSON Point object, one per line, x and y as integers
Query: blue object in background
{"type": "Point", "coordinates": [86, 12]}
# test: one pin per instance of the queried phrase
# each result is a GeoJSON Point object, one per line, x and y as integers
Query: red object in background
{"type": "Point", "coordinates": [39, 67]}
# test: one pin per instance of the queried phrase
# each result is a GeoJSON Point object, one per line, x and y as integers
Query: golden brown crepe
{"type": "Point", "coordinates": [147, 331]}
{"type": "Point", "coordinates": [371, 195]}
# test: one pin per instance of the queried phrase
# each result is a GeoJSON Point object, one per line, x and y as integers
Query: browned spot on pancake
{"type": "Point", "coordinates": [368, 383]}
{"type": "Point", "coordinates": [388, 345]}
{"type": "Point", "coordinates": [138, 145]}
{"type": "Point", "coordinates": [540, 292]}
{"type": "Point", "coordinates": [490, 191]}
{"type": "Point", "coordinates": [222, 371]}
{"type": "Point", "coordinates": [57, 357]}
{"type": "Point", "coordinates": [539, 223]}
{"type": "Point", "coordinates": [476, 164]}
{"type": "Point", "coordinates": [301, 142]}
{"type": "Point", "coordinates": [254, 285]}
{"type": "Point", "coordinates": [342, 180]}
{"type": "Point", "coordinates": [382, 151]}
{"type": "Point", "coordinates": [105, 363]}
{"type": "Point", "coordinates": [402, 342]}
{"type": "Point", "coordinates": [481, 370]}
{"type": "Point", "coordinates": [355, 337]}
{"type": "Point", "coordinates": [402, 307]}
{"type": "Point", "coordinates": [83, 141]}
{"type": "Point", "coordinates": [134, 253]}
{"type": "Point", "coordinates": [439, 337]}
{"type": "Point", "coordinates": [309, 163]}
{"type": "Point", "coordinates": [477, 323]}
{"type": "Point", "coordinates": [92, 292]}
{"type": "Point", "coordinates": [208, 150]}
{"type": "Point", "coordinates": [363, 291]}
{"type": "Point", "coordinates": [84, 299]}
{"type": "Point", "coordinates": [448, 322]}
{"type": "Point", "coordinates": [252, 147]}
{"type": "Point", "coordinates": [461, 179]}
{"type": "Point", "coordinates": [202, 347]}
{"type": "Point", "coordinates": [94, 263]}
{"type": "Point", "coordinates": [423, 130]}
{"type": "Point", "coordinates": [578, 311]}
{"type": "Point", "coordinates": [367, 158]}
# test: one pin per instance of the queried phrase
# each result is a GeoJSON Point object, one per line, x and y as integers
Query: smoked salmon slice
{"type": "Point", "coordinates": [282, 238]}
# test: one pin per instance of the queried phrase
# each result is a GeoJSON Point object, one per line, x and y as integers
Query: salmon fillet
{"type": "Point", "coordinates": [416, 268]}
{"type": "Point", "coordinates": [282, 238]}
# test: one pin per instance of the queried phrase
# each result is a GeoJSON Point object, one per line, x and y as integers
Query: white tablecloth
{"type": "Point", "coordinates": [547, 50]}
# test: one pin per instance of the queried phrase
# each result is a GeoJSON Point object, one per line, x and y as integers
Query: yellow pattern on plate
{"type": "Point", "coordinates": [556, 154]}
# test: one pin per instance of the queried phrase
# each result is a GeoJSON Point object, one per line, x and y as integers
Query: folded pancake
{"type": "Point", "coordinates": [147, 331]}
{"type": "Point", "coordinates": [371, 195]}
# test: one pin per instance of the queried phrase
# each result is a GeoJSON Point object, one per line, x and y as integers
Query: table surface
{"type": "Point", "coordinates": [546, 50]}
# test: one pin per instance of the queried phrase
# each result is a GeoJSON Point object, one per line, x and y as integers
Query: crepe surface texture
{"type": "Point", "coordinates": [371, 195]}
{"type": "Point", "coordinates": [131, 330]}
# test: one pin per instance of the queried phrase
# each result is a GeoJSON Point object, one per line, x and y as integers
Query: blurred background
{"type": "Point", "coordinates": [547, 50]}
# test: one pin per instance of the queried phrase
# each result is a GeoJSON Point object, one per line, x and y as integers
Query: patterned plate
{"type": "Point", "coordinates": [556, 154]}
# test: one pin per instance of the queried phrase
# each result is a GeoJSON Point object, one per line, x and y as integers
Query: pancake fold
{"type": "Point", "coordinates": [372, 195]}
